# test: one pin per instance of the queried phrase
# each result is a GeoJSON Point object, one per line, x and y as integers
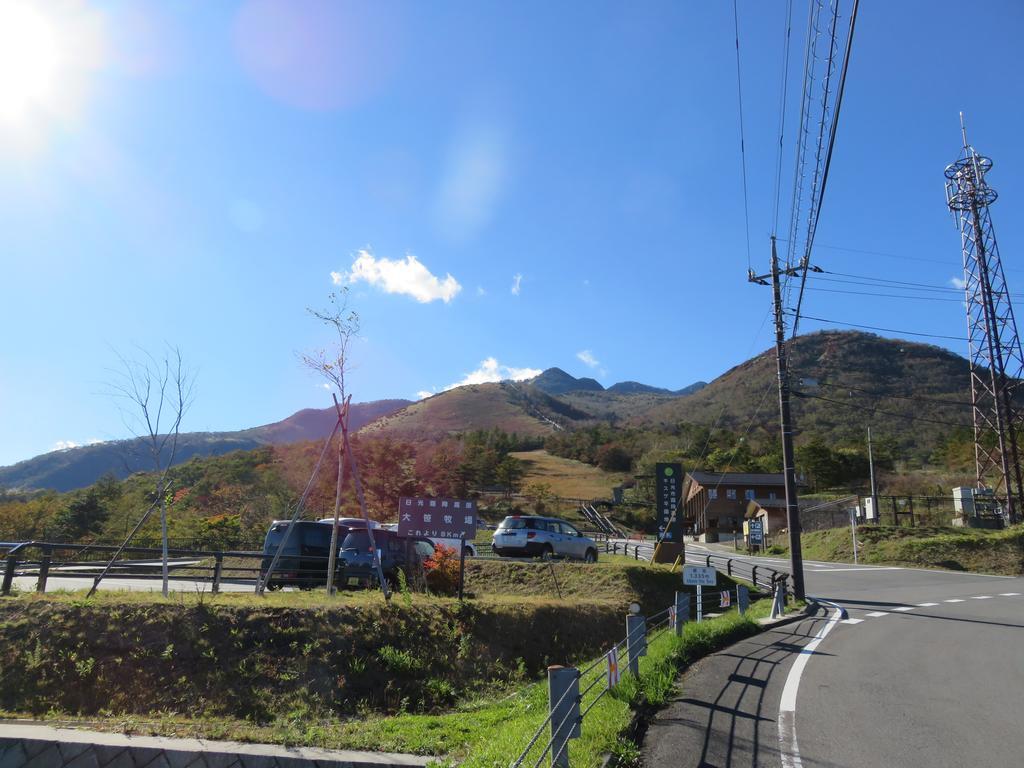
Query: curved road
{"type": "Point", "coordinates": [911, 667]}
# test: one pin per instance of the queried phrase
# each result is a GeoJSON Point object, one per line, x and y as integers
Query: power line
{"type": "Point", "coordinates": [882, 295]}
{"type": "Point", "coordinates": [876, 393]}
{"type": "Point", "coordinates": [783, 90]}
{"type": "Point", "coordinates": [812, 221]}
{"type": "Point", "coordinates": [887, 330]}
{"type": "Point", "coordinates": [861, 407]}
{"type": "Point", "coordinates": [743, 147]}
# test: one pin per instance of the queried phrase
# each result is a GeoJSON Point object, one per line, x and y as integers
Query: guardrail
{"type": "Point", "coordinates": [50, 560]}
{"type": "Point", "coordinates": [761, 576]}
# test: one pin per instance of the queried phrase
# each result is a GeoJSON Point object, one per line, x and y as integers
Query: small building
{"type": "Point", "coordinates": [771, 513]}
{"type": "Point", "coordinates": [715, 503]}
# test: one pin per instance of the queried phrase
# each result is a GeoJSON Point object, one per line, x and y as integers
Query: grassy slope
{"type": "Point", "coordinates": [490, 731]}
{"type": "Point", "coordinates": [478, 406]}
{"type": "Point", "coordinates": [568, 478]}
{"type": "Point", "coordinates": [961, 549]}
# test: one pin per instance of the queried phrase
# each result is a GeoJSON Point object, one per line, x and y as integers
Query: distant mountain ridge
{"type": "Point", "coordinates": [555, 381]}
{"type": "Point", "coordinates": [72, 468]}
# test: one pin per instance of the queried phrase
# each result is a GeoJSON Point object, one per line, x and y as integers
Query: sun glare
{"type": "Point", "coordinates": [47, 52]}
{"type": "Point", "coordinates": [29, 61]}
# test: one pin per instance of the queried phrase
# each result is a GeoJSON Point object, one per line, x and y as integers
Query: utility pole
{"type": "Point", "coordinates": [785, 419]}
{"type": "Point", "coordinates": [997, 363]}
{"type": "Point", "coordinates": [874, 486]}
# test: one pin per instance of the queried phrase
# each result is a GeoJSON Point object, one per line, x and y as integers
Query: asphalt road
{"type": "Point", "coordinates": [907, 667]}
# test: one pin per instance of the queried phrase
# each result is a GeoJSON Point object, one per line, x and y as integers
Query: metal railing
{"type": "Point", "coordinates": [761, 576]}
{"type": "Point", "coordinates": [55, 561]}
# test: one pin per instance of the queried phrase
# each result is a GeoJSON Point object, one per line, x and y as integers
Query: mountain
{"type": "Point", "coordinates": [915, 393]}
{"type": "Point", "coordinates": [555, 381]}
{"type": "Point", "coordinates": [78, 467]}
{"type": "Point", "coordinates": [843, 380]}
{"type": "Point", "coordinates": [636, 388]}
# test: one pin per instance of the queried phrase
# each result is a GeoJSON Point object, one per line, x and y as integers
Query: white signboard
{"type": "Point", "coordinates": [698, 575]}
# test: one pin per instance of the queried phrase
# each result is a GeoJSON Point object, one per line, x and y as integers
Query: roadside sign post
{"type": "Point", "coordinates": [699, 576]}
{"type": "Point", "coordinates": [668, 503]}
{"type": "Point", "coordinates": [756, 534]}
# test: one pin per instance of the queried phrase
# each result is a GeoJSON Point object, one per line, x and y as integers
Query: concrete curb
{"type": "Point", "coordinates": [37, 745]}
{"type": "Point", "coordinates": [809, 610]}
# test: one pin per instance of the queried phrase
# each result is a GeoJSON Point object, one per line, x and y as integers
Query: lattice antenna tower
{"type": "Point", "coordinates": [997, 364]}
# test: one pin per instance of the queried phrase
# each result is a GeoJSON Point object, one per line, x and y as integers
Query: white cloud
{"type": "Point", "coordinates": [491, 370]}
{"type": "Point", "coordinates": [407, 276]}
{"type": "Point", "coordinates": [63, 445]}
{"type": "Point", "coordinates": [587, 358]}
{"type": "Point", "coordinates": [480, 291]}
{"type": "Point", "coordinates": [423, 394]}
{"type": "Point", "coordinates": [958, 282]}
{"type": "Point", "coordinates": [517, 280]}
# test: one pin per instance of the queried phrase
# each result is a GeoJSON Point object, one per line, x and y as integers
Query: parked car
{"type": "Point", "coordinates": [356, 566]}
{"type": "Point", "coordinates": [547, 537]}
{"type": "Point", "coordinates": [303, 561]}
{"type": "Point", "coordinates": [350, 522]}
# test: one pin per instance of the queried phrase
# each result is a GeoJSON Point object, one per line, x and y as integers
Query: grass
{"type": "Point", "coordinates": [487, 732]}
{"type": "Point", "coordinates": [960, 549]}
{"type": "Point", "coordinates": [567, 478]}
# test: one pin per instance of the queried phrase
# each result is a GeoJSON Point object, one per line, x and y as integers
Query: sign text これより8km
{"type": "Point", "coordinates": [437, 518]}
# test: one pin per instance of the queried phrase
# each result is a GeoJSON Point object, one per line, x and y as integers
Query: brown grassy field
{"type": "Point", "coordinates": [566, 477]}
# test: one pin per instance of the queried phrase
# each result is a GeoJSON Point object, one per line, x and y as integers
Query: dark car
{"type": "Point", "coordinates": [303, 561]}
{"type": "Point", "coordinates": [356, 565]}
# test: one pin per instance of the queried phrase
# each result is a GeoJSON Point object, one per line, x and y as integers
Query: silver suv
{"type": "Point", "coordinates": [547, 537]}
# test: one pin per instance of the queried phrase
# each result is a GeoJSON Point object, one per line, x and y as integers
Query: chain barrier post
{"type": "Point", "coordinates": [636, 641]}
{"type": "Point", "coordinates": [682, 611]}
{"type": "Point", "coordinates": [564, 704]}
{"type": "Point", "coordinates": [779, 603]}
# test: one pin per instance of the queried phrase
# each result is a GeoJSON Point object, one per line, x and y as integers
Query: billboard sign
{"type": "Point", "coordinates": [668, 496]}
{"type": "Point", "coordinates": [437, 518]}
{"type": "Point", "coordinates": [756, 532]}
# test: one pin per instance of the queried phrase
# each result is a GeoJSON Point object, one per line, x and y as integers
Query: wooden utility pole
{"type": "Point", "coordinates": [785, 420]}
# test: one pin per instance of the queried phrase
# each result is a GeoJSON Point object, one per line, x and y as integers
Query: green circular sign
{"type": "Point", "coordinates": [669, 471]}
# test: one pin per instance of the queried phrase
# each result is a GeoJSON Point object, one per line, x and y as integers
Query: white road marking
{"type": "Point", "coordinates": [866, 570]}
{"type": "Point", "coordinates": [954, 600]}
{"type": "Point", "coordinates": [904, 608]}
{"type": "Point", "coordinates": [1009, 594]}
{"type": "Point", "coordinates": [853, 621]}
{"type": "Point", "coordinates": [876, 614]}
{"type": "Point", "coordinates": [789, 751]}
{"type": "Point", "coordinates": [926, 605]}
{"type": "Point", "coordinates": [982, 597]}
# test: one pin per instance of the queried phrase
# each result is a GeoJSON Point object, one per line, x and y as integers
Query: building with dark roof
{"type": "Point", "coordinates": [715, 503]}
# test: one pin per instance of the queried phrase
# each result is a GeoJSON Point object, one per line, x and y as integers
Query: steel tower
{"type": "Point", "coordinates": [997, 364]}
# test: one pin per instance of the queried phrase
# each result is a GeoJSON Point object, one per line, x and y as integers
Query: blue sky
{"type": "Point", "coordinates": [197, 171]}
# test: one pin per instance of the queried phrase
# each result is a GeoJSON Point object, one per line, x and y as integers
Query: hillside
{"type": "Point", "coordinates": [477, 406]}
{"type": "Point", "coordinates": [843, 381]}
{"type": "Point", "coordinates": [79, 467]}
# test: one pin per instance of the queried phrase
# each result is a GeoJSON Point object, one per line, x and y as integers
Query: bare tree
{"type": "Point", "coordinates": [154, 395]}
{"type": "Point", "coordinates": [333, 364]}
